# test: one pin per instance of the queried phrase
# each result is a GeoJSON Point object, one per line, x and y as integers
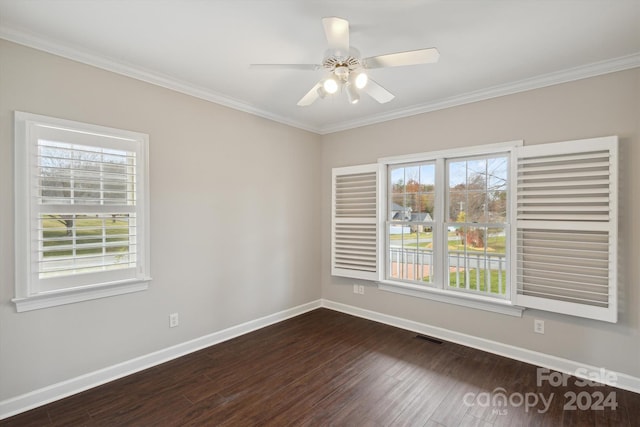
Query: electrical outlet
{"type": "Point", "coordinates": [538, 326]}
{"type": "Point", "coordinates": [173, 320]}
{"type": "Point", "coordinates": [355, 288]}
{"type": "Point", "coordinates": [361, 289]}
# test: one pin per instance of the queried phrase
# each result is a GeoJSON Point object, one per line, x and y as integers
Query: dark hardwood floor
{"type": "Point", "coordinates": [329, 368]}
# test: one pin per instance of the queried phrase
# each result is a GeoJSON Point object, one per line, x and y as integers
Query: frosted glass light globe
{"type": "Point", "coordinates": [330, 86]}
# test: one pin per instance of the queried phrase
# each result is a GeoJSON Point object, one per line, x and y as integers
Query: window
{"type": "Point", "coordinates": [466, 199]}
{"type": "Point", "coordinates": [500, 227]}
{"type": "Point", "coordinates": [81, 211]}
{"type": "Point", "coordinates": [410, 221]}
{"type": "Point", "coordinates": [476, 227]}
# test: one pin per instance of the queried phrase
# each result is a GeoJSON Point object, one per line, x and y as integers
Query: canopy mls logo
{"type": "Point", "coordinates": [500, 400]}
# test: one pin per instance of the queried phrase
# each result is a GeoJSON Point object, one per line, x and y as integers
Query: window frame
{"type": "Point", "coordinates": [30, 294]}
{"type": "Point", "coordinates": [439, 292]}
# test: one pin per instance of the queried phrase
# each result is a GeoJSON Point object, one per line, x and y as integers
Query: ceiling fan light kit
{"type": "Point", "coordinates": [330, 85]}
{"type": "Point", "coordinates": [360, 80]}
{"type": "Point", "coordinates": [352, 93]}
{"type": "Point", "coordinates": [347, 69]}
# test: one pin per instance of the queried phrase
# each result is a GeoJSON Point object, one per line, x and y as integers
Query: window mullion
{"type": "Point", "coordinates": [440, 236]}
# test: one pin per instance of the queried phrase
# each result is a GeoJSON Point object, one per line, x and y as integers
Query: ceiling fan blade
{"type": "Point", "coordinates": [377, 92]}
{"type": "Point", "coordinates": [310, 67]}
{"type": "Point", "coordinates": [412, 57]}
{"type": "Point", "coordinates": [337, 32]}
{"type": "Point", "coordinates": [311, 96]}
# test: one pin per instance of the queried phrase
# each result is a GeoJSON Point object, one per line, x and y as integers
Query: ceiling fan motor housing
{"type": "Point", "coordinates": [341, 65]}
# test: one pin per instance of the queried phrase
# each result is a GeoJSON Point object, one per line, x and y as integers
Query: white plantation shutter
{"type": "Point", "coordinates": [355, 214]}
{"type": "Point", "coordinates": [93, 190]}
{"type": "Point", "coordinates": [566, 228]}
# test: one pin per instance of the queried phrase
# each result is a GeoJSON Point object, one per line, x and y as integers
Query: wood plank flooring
{"type": "Point", "coordinates": [329, 368]}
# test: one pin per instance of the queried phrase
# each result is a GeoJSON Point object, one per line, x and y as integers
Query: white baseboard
{"type": "Point", "coordinates": [63, 389]}
{"type": "Point", "coordinates": [623, 381]}
{"type": "Point", "coordinates": [27, 401]}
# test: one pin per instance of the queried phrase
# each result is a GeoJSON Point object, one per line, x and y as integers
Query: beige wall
{"type": "Point", "coordinates": [225, 182]}
{"type": "Point", "coordinates": [605, 105]}
{"type": "Point", "coordinates": [234, 214]}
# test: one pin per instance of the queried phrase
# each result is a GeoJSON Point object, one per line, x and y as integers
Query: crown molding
{"type": "Point", "coordinates": [545, 80]}
{"type": "Point", "coordinates": [120, 67]}
{"type": "Point", "coordinates": [172, 83]}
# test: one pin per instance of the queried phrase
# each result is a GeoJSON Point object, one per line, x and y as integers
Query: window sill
{"type": "Point", "coordinates": [465, 300]}
{"type": "Point", "coordinates": [85, 293]}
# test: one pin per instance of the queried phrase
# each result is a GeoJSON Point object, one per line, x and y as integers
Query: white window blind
{"type": "Point", "coordinates": [81, 210]}
{"type": "Point", "coordinates": [355, 216]}
{"type": "Point", "coordinates": [567, 228]}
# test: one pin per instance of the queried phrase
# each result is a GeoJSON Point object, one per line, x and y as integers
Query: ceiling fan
{"type": "Point", "coordinates": [347, 70]}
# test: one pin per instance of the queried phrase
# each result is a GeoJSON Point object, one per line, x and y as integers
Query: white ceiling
{"type": "Point", "coordinates": [204, 48]}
